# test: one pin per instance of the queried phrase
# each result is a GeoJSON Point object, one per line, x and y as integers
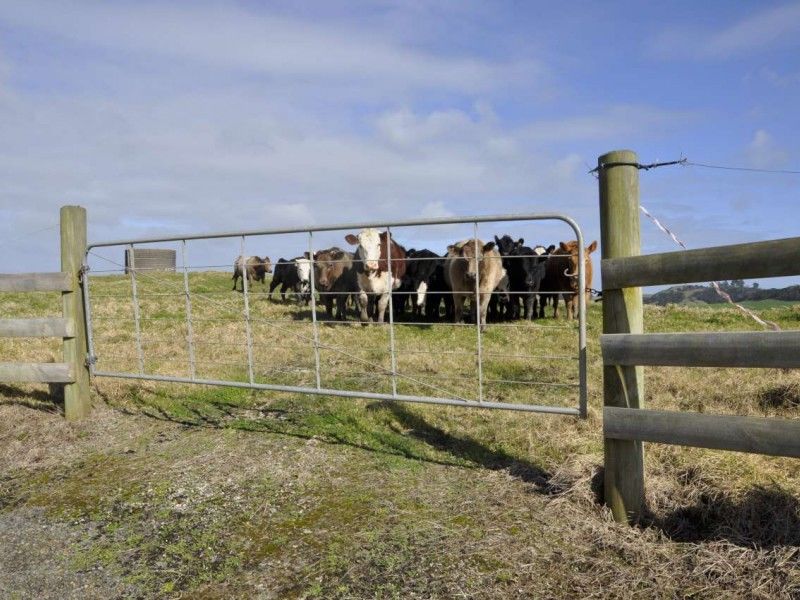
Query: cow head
{"type": "Point", "coordinates": [571, 249]}
{"type": "Point", "coordinates": [267, 264]}
{"type": "Point", "coordinates": [328, 266]}
{"type": "Point", "coordinates": [472, 253]}
{"type": "Point", "coordinates": [303, 266]}
{"type": "Point", "coordinates": [506, 245]}
{"type": "Point", "coordinates": [369, 249]}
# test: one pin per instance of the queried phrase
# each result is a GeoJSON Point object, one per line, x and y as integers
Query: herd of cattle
{"type": "Point", "coordinates": [502, 274]}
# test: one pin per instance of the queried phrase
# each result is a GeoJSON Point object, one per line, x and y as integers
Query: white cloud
{"type": "Point", "coordinates": [769, 27]}
{"type": "Point", "coordinates": [222, 36]}
{"type": "Point", "coordinates": [764, 153]}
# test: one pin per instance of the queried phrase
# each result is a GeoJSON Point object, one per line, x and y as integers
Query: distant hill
{"type": "Point", "coordinates": [705, 294]}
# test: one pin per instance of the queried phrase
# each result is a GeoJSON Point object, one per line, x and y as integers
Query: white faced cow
{"type": "Point", "coordinates": [470, 262]}
{"type": "Point", "coordinates": [372, 268]}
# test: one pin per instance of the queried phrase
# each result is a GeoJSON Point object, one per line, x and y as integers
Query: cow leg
{"type": "Point", "coordinates": [481, 312]}
{"type": "Point", "coordinates": [530, 307]}
{"type": "Point", "coordinates": [272, 285]}
{"type": "Point", "coordinates": [458, 307]}
{"type": "Point", "coordinates": [363, 305]}
{"type": "Point", "coordinates": [383, 302]}
{"type": "Point", "coordinates": [284, 287]}
{"type": "Point", "coordinates": [235, 279]}
{"type": "Point", "coordinates": [329, 306]}
{"type": "Point", "coordinates": [556, 300]}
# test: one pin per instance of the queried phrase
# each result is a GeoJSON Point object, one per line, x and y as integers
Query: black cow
{"type": "Point", "coordinates": [292, 275]}
{"type": "Point", "coordinates": [421, 266]}
{"type": "Point", "coordinates": [439, 292]}
{"type": "Point", "coordinates": [526, 270]}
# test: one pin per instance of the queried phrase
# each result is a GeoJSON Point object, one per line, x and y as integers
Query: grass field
{"type": "Point", "coordinates": [174, 490]}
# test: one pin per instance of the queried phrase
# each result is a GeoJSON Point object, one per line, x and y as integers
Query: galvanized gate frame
{"type": "Point", "coordinates": [580, 411]}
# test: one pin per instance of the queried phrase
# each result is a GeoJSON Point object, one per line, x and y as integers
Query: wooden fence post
{"type": "Point", "coordinates": [73, 247]}
{"type": "Point", "coordinates": [622, 313]}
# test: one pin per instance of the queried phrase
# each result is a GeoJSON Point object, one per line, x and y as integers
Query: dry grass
{"type": "Point", "coordinates": [176, 490]}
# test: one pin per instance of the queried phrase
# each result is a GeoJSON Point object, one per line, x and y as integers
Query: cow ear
{"type": "Point", "coordinates": [337, 255]}
{"type": "Point", "coordinates": [550, 248]}
{"type": "Point", "coordinates": [591, 247]}
{"type": "Point", "coordinates": [521, 241]}
{"type": "Point", "coordinates": [351, 239]}
{"type": "Point", "coordinates": [306, 255]}
{"type": "Point", "coordinates": [487, 247]}
{"type": "Point", "coordinates": [563, 246]}
{"type": "Point", "coordinates": [451, 248]}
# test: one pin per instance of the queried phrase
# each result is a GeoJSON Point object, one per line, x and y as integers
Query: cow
{"type": "Point", "coordinates": [421, 266]}
{"type": "Point", "coordinates": [294, 275]}
{"type": "Point", "coordinates": [526, 269]}
{"type": "Point", "coordinates": [473, 264]}
{"type": "Point", "coordinates": [257, 269]}
{"type": "Point", "coordinates": [335, 278]}
{"type": "Point", "coordinates": [561, 277]}
{"type": "Point", "coordinates": [439, 291]}
{"type": "Point", "coordinates": [374, 251]}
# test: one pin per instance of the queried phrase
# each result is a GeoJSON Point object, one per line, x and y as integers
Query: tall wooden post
{"type": "Point", "coordinates": [73, 248]}
{"type": "Point", "coordinates": [622, 313]}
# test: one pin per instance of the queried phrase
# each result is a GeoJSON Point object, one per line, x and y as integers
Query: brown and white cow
{"type": "Point", "coordinates": [468, 261]}
{"type": "Point", "coordinates": [561, 277]}
{"type": "Point", "coordinates": [256, 267]}
{"type": "Point", "coordinates": [375, 248]}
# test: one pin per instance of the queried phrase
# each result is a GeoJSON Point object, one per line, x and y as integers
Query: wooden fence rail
{"type": "Point", "coordinates": [625, 348]}
{"type": "Point", "coordinates": [760, 435]}
{"type": "Point", "coordinates": [73, 372]}
{"type": "Point", "coordinates": [774, 258]}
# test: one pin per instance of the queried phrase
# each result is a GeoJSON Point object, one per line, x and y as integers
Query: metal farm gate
{"type": "Point", "coordinates": [187, 327]}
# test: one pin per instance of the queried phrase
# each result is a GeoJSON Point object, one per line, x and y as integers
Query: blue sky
{"type": "Point", "coordinates": [185, 117]}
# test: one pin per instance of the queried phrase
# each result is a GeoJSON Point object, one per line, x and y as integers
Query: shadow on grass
{"type": "Point", "coordinates": [51, 401]}
{"type": "Point", "coordinates": [785, 396]}
{"type": "Point", "coordinates": [764, 517]}
{"type": "Point", "coordinates": [414, 442]}
{"type": "Point", "coordinates": [469, 449]}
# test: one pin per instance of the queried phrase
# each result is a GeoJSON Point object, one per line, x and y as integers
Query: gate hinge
{"type": "Point", "coordinates": [82, 271]}
{"type": "Point", "coordinates": [90, 361]}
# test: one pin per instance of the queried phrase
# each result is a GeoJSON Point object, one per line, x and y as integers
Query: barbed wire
{"type": "Point", "coordinates": [685, 162]}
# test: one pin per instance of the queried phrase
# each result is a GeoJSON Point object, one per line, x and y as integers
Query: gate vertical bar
{"type": "Point", "coordinates": [77, 403]}
{"type": "Point", "coordinates": [478, 311]}
{"type": "Point", "coordinates": [392, 354]}
{"type": "Point", "coordinates": [189, 329]}
{"type": "Point", "coordinates": [87, 314]}
{"type": "Point", "coordinates": [312, 276]}
{"type": "Point", "coordinates": [623, 386]}
{"type": "Point", "coordinates": [135, 300]}
{"type": "Point", "coordinates": [248, 331]}
{"type": "Point", "coordinates": [582, 374]}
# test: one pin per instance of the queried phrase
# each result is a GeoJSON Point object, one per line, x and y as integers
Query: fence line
{"type": "Point", "coordinates": [626, 348]}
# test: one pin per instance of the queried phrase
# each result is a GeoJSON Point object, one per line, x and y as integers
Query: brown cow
{"type": "Point", "coordinates": [257, 269]}
{"type": "Point", "coordinates": [372, 267]}
{"type": "Point", "coordinates": [334, 279]}
{"type": "Point", "coordinates": [561, 277]}
{"type": "Point", "coordinates": [467, 260]}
